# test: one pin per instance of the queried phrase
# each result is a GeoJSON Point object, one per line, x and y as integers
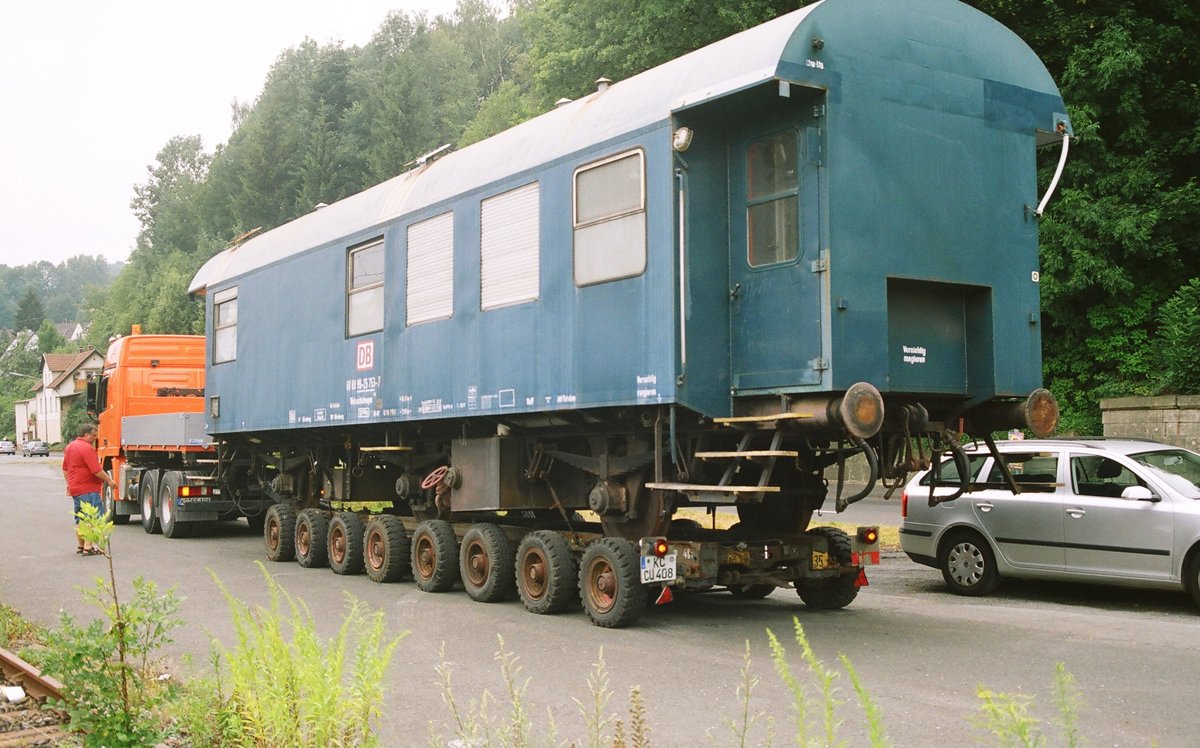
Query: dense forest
{"type": "Point", "coordinates": [1120, 261]}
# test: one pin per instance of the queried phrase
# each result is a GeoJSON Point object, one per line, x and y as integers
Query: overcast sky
{"type": "Point", "coordinates": [92, 89]}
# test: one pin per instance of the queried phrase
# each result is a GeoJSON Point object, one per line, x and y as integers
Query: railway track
{"type": "Point", "coordinates": [28, 722]}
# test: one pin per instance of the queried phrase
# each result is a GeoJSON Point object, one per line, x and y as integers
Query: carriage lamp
{"type": "Point", "coordinates": [682, 139]}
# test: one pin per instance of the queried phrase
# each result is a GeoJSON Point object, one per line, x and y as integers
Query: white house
{"type": "Point", "coordinates": [64, 379]}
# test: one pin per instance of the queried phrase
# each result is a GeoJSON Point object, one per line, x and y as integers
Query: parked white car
{"type": "Point", "coordinates": [1116, 511]}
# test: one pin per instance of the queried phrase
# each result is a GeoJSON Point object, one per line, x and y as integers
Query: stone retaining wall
{"type": "Point", "coordinates": [1173, 419]}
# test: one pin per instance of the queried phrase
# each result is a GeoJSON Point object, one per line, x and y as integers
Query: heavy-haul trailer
{"type": "Point", "coordinates": [149, 401]}
{"type": "Point", "coordinates": [701, 287]}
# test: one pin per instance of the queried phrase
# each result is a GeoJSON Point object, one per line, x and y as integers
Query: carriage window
{"type": "Point", "coordinates": [364, 289]}
{"type": "Point", "coordinates": [508, 247]}
{"type": "Point", "coordinates": [772, 200]}
{"type": "Point", "coordinates": [430, 281]}
{"type": "Point", "coordinates": [610, 219]}
{"type": "Point", "coordinates": [225, 326]}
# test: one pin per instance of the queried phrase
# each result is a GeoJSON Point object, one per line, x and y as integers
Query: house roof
{"type": "Point", "coordinates": [66, 364]}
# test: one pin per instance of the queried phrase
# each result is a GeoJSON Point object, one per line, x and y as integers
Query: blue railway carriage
{"type": "Point", "coordinates": [705, 285]}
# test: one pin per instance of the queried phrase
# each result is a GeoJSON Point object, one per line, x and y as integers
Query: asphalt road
{"type": "Point", "coordinates": [921, 652]}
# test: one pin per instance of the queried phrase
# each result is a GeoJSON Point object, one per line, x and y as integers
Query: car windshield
{"type": "Point", "coordinates": [1178, 468]}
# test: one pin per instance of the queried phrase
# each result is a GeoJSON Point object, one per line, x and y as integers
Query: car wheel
{"type": "Point", "coordinates": [968, 564]}
{"type": "Point", "coordinates": [1191, 577]}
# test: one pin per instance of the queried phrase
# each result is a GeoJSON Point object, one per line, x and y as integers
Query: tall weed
{"type": "Point", "coordinates": [289, 689]}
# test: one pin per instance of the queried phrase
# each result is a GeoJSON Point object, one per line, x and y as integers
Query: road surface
{"type": "Point", "coordinates": [922, 653]}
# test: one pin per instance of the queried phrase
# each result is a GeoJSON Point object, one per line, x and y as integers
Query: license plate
{"type": "Point", "coordinates": [655, 569]}
{"type": "Point", "coordinates": [820, 560]}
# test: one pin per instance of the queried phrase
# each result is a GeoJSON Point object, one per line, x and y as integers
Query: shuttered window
{"type": "Point", "coordinates": [364, 289]}
{"type": "Point", "coordinates": [508, 247]}
{"type": "Point", "coordinates": [610, 219]}
{"type": "Point", "coordinates": [224, 325]}
{"type": "Point", "coordinates": [430, 281]}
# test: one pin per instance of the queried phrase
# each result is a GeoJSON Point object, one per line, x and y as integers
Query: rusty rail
{"type": "Point", "coordinates": [28, 723]}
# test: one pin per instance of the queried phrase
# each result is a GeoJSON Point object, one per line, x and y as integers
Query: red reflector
{"type": "Point", "coordinates": [661, 547]}
{"type": "Point", "coordinates": [861, 581]}
{"type": "Point", "coordinates": [665, 596]}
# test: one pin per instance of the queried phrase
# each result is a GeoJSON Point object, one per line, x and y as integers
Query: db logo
{"type": "Point", "coordinates": [366, 356]}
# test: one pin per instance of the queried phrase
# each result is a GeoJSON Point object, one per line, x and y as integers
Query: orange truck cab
{"type": "Point", "coordinates": [149, 404]}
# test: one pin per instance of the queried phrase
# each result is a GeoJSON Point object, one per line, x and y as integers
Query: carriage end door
{"type": "Point", "coordinates": [777, 271]}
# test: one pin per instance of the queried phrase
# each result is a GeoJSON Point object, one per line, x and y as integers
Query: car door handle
{"type": "Point", "coordinates": [985, 506]}
{"type": "Point", "coordinates": [1076, 512]}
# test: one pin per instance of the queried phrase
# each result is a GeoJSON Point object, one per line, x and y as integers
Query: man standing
{"type": "Point", "coordinates": [84, 476]}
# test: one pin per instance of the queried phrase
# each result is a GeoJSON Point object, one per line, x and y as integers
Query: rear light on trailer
{"type": "Point", "coordinates": [868, 535]}
{"type": "Point", "coordinates": [190, 491]}
{"type": "Point", "coordinates": [660, 547]}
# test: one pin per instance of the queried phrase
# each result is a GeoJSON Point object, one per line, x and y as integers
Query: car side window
{"type": "Point", "coordinates": [1033, 471]}
{"type": "Point", "coordinates": [1096, 475]}
{"type": "Point", "coordinates": [949, 470]}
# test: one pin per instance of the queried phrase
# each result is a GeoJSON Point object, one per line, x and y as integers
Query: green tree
{"type": "Point", "coordinates": [573, 43]}
{"type": "Point", "coordinates": [1124, 232]}
{"type": "Point", "coordinates": [30, 312]}
{"type": "Point", "coordinates": [50, 340]}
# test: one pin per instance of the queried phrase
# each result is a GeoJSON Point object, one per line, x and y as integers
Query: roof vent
{"type": "Point", "coordinates": [562, 102]}
{"type": "Point", "coordinates": [602, 84]}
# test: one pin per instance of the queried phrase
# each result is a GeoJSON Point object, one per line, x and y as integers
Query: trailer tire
{"type": "Point", "coordinates": [831, 593]}
{"type": "Point", "coordinates": [110, 507]}
{"type": "Point", "coordinates": [485, 563]}
{"type": "Point", "coordinates": [279, 533]}
{"type": "Point", "coordinates": [148, 498]}
{"type": "Point", "coordinates": [546, 572]}
{"type": "Point", "coordinates": [346, 543]}
{"type": "Point", "coordinates": [312, 538]}
{"type": "Point", "coordinates": [386, 551]}
{"type": "Point", "coordinates": [168, 489]}
{"type": "Point", "coordinates": [609, 587]}
{"type": "Point", "coordinates": [434, 556]}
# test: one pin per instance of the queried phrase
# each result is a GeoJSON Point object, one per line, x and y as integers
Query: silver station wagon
{"type": "Point", "coordinates": [1114, 511]}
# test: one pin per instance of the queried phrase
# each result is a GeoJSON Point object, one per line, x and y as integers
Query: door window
{"type": "Point", "coordinates": [1096, 475]}
{"type": "Point", "coordinates": [772, 199]}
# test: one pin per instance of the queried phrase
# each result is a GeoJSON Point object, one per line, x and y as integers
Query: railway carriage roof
{"type": "Point", "coordinates": [775, 49]}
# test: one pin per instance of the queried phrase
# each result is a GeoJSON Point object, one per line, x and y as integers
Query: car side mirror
{"type": "Point", "coordinates": [1140, 493]}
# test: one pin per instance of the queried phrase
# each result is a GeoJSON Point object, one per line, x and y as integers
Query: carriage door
{"type": "Point", "coordinates": [776, 269]}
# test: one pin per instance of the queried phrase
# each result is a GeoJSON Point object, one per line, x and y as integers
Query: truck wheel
{"type": "Point", "coordinates": [312, 538]}
{"type": "Point", "coordinates": [279, 533]}
{"type": "Point", "coordinates": [545, 572]}
{"type": "Point", "coordinates": [968, 564]}
{"type": "Point", "coordinates": [110, 507]}
{"type": "Point", "coordinates": [609, 587]}
{"type": "Point", "coordinates": [830, 593]}
{"type": "Point", "coordinates": [168, 490]}
{"type": "Point", "coordinates": [346, 543]}
{"type": "Point", "coordinates": [385, 550]}
{"type": "Point", "coordinates": [147, 493]}
{"type": "Point", "coordinates": [485, 562]}
{"type": "Point", "coordinates": [434, 556]}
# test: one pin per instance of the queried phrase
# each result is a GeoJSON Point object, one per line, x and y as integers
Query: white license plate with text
{"type": "Point", "coordinates": [655, 569]}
